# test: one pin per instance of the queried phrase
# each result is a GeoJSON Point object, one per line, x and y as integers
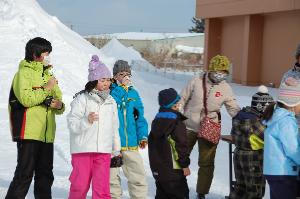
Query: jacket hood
{"type": "Point", "coordinates": [247, 113]}
{"type": "Point", "coordinates": [165, 122]}
{"type": "Point", "coordinates": [34, 65]}
{"type": "Point", "coordinates": [278, 114]}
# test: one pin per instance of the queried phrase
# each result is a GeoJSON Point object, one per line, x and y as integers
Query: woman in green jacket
{"type": "Point", "coordinates": [34, 100]}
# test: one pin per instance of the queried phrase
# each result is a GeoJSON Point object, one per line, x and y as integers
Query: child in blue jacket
{"type": "Point", "coordinates": [133, 132]}
{"type": "Point", "coordinates": [294, 72]}
{"type": "Point", "coordinates": [282, 141]}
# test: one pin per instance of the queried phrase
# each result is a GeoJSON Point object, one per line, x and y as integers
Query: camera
{"type": "Point", "coordinates": [47, 101]}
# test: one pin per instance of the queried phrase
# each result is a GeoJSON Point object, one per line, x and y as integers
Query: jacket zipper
{"type": "Point", "coordinates": [98, 130]}
{"type": "Point", "coordinates": [125, 123]}
{"type": "Point", "coordinates": [46, 125]}
{"type": "Point", "coordinates": [46, 111]}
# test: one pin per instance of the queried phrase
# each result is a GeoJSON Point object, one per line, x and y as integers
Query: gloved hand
{"type": "Point", "coordinates": [47, 102]}
{"type": "Point", "coordinates": [116, 161]}
{"type": "Point", "coordinates": [143, 144]}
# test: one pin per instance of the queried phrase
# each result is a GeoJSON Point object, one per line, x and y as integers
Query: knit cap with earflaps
{"type": "Point", "coordinates": [289, 92]}
{"type": "Point", "coordinates": [261, 99]}
{"type": "Point", "coordinates": [97, 69]}
{"type": "Point", "coordinates": [219, 63]}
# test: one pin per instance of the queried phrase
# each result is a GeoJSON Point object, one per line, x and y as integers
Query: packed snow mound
{"type": "Point", "coordinates": [22, 20]}
{"type": "Point", "coordinates": [115, 50]}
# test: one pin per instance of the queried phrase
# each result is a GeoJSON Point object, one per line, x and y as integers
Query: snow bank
{"type": "Point", "coordinates": [189, 49]}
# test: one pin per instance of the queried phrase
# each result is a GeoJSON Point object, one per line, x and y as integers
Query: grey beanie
{"type": "Point", "coordinates": [298, 52]}
{"type": "Point", "coordinates": [121, 66]}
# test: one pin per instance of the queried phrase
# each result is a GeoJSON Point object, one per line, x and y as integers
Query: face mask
{"type": "Point", "coordinates": [47, 60]}
{"type": "Point", "coordinates": [217, 77]}
{"type": "Point", "coordinates": [126, 81]}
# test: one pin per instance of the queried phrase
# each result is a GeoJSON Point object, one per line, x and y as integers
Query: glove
{"type": "Point", "coordinates": [47, 101]}
{"type": "Point", "coordinates": [143, 144]}
{"type": "Point", "coordinates": [116, 161]}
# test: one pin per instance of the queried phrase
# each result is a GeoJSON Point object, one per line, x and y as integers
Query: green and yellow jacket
{"type": "Point", "coordinates": [30, 119]}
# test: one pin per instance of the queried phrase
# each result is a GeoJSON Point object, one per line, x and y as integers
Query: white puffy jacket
{"type": "Point", "coordinates": [102, 136]}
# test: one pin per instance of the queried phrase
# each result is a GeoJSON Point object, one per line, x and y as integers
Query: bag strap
{"type": "Point", "coordinates": [204, 93]}
{"type": "Point", "coordinates": [204, 87]}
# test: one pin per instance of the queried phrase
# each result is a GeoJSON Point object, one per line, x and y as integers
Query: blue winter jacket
{"type": "Point", "coordinates": [133, 126]}
{"type": "Point", "coordinates": [282, 144]}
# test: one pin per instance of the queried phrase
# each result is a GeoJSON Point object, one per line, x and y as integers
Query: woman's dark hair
{"type": "Point", "coordinates": [268, 113]}
{"type": "Point", "coordinates": [36, 47]}
{"type": "Point", "coordinates": [90, 85]}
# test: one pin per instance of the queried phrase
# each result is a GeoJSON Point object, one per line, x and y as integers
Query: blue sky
{"type": "Point", "coordinates": [110, 16]}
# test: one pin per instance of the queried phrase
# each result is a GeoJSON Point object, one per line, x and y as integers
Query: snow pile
{"type": "Point", "coordinates": [189, 49]}
{"type": "Point", "coordinates": [21, 20]}
{"type": "Point", "coordinates": [115, 50]}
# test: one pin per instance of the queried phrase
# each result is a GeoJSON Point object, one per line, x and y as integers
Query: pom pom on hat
{"type": "Point", "coordinates": [262, 89]}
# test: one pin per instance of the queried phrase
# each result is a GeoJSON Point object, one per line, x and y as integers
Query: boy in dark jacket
{"type": "Point", "coordinates": [168, 149]}
{"type": "Point", "coordinates": [248, 134]}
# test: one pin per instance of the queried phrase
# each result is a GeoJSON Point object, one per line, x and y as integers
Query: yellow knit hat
{"type": "Point", "coordinates": [219, 63]}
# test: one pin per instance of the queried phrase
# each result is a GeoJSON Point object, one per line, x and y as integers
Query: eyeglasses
{"type": "Point", "coordinates": [124, 74]}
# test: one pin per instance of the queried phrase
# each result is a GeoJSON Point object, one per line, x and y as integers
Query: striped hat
{"type": "Point", "coordinates": [261, 99]}
{"type": "Point", "coordinates": [289, 92]}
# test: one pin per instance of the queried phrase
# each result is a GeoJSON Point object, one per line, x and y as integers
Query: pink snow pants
{"type": "Point", "coordinates": [89, 167]}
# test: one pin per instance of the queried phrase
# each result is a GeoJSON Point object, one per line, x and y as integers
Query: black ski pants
{"type": "Point", "coordinates": [35, 158]}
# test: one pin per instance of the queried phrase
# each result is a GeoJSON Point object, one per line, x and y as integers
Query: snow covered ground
{"type": "Point", "coordinates": [21, 20]}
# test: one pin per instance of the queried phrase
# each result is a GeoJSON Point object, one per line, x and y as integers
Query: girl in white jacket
{"type": "Point", "coordinates": [93, 123]}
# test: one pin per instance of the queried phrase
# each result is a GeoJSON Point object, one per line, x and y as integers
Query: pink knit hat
{"type": "Point", "coordinates": [289, 92]}
{"type": "Point", "coordinates": [97, 69]}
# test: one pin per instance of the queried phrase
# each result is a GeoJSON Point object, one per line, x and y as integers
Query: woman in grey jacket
{"type": "Point", "coordinates": [219, 92]}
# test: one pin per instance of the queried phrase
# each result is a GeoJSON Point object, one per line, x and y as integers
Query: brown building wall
{"type": "Point", "coordinates": [260, 46]}
{"type": "Point", "coordinates": [223, 8]}
{"type": "Point", "coordinates": [231, 44]}
{"type": "Point", "coordinates": [281, 37]}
